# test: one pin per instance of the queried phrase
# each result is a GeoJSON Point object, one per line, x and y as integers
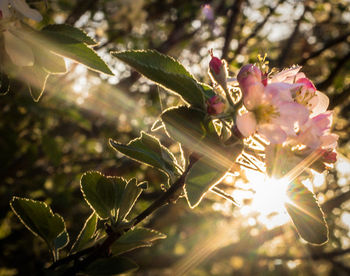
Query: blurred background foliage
{"type": "Point", "coordinates": [46, 146]}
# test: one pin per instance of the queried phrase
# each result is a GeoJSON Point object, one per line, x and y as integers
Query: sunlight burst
{"type": "Point", "coordinates": [269, 199]}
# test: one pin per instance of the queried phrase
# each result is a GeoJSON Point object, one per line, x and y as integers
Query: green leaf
{"type": "Point", "coordinates": [203, 175]}
{"type": "Point", "coordinates": [39, 219]}
{"type": "Point", "coordinates": [103, 193]}
{"type": "Point", "coordinates": [64, 45]}
{"type": "Point", "coordinates": [70, 31]}
{"type": "Point", "coordinates": [208, 91]}
{"type": "Point", "coordinates": [165, 71]}
{"type": "Point", "coordinates": [61, 241]}
{"type": "Point", "coordinates": [111, 266]}
{"type": "Point", "coordinates": [148, 150]}
{"type": "Point", "coordinates": [306, 214]}
{"type": "Point", "coordinates": [4, 84]}
{"type": "Point", "coordinates": [185, 125]}
{"type": "Point", "coordinates": [135, 238]}
{"type": "Point", "coordinates": [86, 233]}
{"type": "Point", "coordinates": [36, 78]}
{"type": "Point", "coordinates": [131, 194]}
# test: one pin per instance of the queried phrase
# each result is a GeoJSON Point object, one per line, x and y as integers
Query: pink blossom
{"type": "Point", "coordinates": [271, 109]}
{"type": "Point", "coordinates": [315, 133]}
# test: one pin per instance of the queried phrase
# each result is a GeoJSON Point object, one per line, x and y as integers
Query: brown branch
{"type": "Point", "coordinates": [257, 28]}
{"type": "Point", "coordinates": [326, 46]}
{"type": "Point", "coordinates": [339, 98]}
{"type": "Point", "coordinates": [235, 11]}
{"type": "Point", "coordinates": [335, 71]}
{"type": "Point", "coordinates": [288, 44]}
{"type": "Point", "coordinates": [80, 8]}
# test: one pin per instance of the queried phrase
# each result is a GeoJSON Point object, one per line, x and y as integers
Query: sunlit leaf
{"type": "Point", "coordinates": [39, 219]}
{"type": "Point", "coordinates": [86, 233]}
{"type": "Point", "coordinates": [148, 150]}
{"type": "Point", "coordinates": [103, 193]}
{"type": "Point", "coordinates": [135, 238]}
{"type": "Point", "coordinates": [203, 175]}
{"type": "Point", "coordinates": [70, 31]}
{"type": "Point", "coordinates": [66, 46]}
{"type": "Point", "coordinates": [306, 214]}
{"type": "Point", "coordinates": [130, 195]}
{"type": "Point", "coordinates": [185, 125]}
{"type": "Point", "coordinates": [111, 266]}
{"type": "Point", "coordinates": [165, 71]}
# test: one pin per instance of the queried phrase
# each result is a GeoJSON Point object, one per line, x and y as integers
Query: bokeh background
{"type": "Point", "coordinates": [46, 146]}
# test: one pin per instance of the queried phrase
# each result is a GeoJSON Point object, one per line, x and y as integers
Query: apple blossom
{"type": "Point", "coordinates": [271, 110]}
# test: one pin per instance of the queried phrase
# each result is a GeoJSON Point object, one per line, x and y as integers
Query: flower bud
{"type": "Point", "coordinates": [249, 74]}
{"type": "Point", "coordinates": [329, 156]}
{"type": "Point", "coordinates": [215, 105]}
{"type": "Point", "coordinates": [218, 70]}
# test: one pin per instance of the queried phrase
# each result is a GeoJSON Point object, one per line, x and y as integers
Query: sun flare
{"type": "Point", "coordinates": [268, 199]}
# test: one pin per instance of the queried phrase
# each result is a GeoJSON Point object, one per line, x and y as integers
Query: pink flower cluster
{"type": "Point", "coordinates": [285, 108]}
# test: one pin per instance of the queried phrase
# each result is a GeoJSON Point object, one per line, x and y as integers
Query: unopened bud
{"type": "Point", "coordinates": [329, 157]}
{"type": "Point", "coordinates": [218, 70]}
{"type": "Point", "coordinates": [215, 105]}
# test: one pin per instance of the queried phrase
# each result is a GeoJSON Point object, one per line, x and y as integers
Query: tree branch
{"type": "Point", "coordinates": [288, 45]}
{"type": "Point", "coordinates": [334, 72]}
{"type": "Point", "coordinates": [326, 46]}
{"type": "Point", "coordinates": [257, 28]}
{"type": "Point", "coordinates": [235, 11]}
{"type": "Point", "coordinates": [81, 7]}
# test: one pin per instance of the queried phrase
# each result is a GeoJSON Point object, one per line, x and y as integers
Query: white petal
{"type": "Point", "coordinates": [246, 123]}
{"type": "Point", "coordinates": [19, 52]}
{"type": "Point", "coordinates": [22, 7]}
{"type": "Point", "coordinates": [286, 73]}
{"type": "Point", "coordinates": [321, 104]}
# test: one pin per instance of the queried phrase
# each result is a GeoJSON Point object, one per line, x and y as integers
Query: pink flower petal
{"type": "Point", "coordinates": [253, 95]}
{"type": "Point", "coordinates": [246, 123]}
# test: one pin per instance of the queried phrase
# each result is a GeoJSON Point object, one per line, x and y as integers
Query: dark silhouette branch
{"type": "Point", "coordinates": [339, 98]}
{"type": "Point", "coordinates": [335, 71]}
{"type": "Point", "coordinates": [235, 11]}
{"type": "Point", "coordinates": [288, 44]}
{"type": "Point", "coordinates": [326, 46]}
{"type": "Point", "coordinates": [254, 32]}
{"type": "Point", "coordinates": [80, 8]}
